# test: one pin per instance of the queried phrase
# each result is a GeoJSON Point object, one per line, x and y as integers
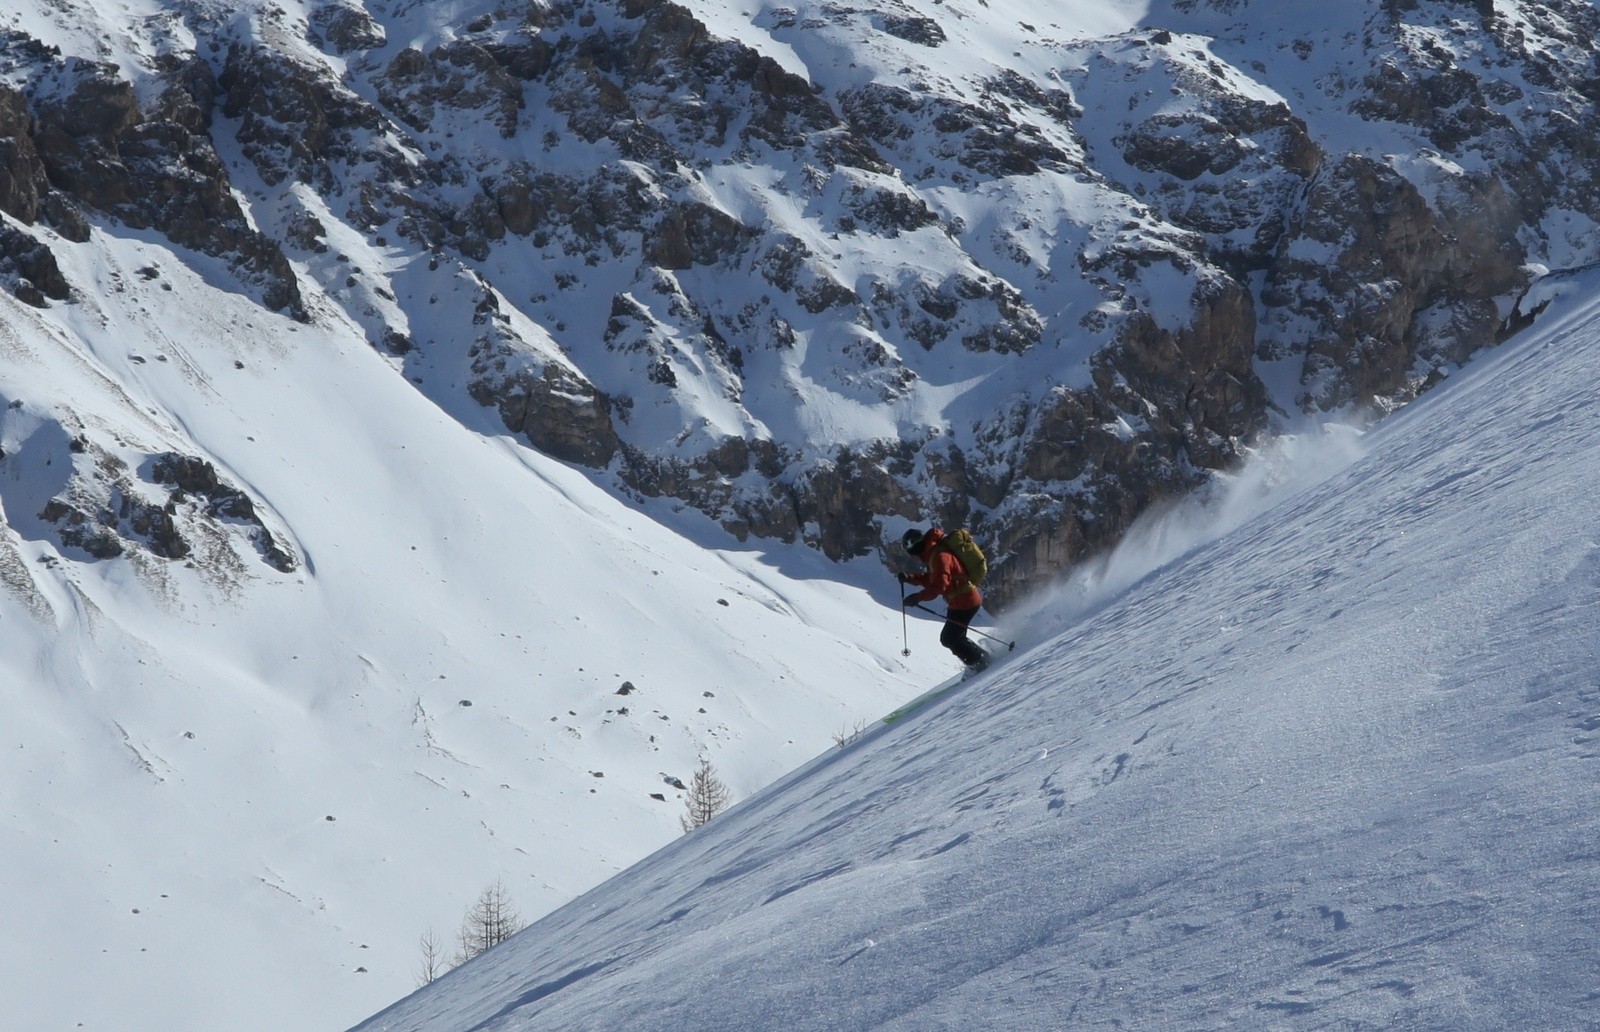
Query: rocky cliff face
{"type": "Point", "coordinates": [79, 143]}
{"type": "Point", "coordinates": [824, 270]}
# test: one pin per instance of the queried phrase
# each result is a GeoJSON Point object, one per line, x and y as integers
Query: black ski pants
{"type": "Point", "coordinates": [954, 635]}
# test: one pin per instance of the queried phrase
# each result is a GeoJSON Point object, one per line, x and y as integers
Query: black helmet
{"type": "Point", "coordinates": [912, 542]}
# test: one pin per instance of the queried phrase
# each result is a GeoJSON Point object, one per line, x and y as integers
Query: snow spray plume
{"type": "Point", "coordinates": [1277, 471]}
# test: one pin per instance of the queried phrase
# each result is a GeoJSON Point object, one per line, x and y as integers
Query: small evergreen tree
{"type": "Point", "coordinates": [708, 796]}
{"type": "Point", "coordinates": [489, 922]}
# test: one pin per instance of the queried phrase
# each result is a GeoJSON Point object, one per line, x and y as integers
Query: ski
{"type": "Point", "coordinates": [940, 690]}
{"type": "Point", "coordinates": [927, 698]}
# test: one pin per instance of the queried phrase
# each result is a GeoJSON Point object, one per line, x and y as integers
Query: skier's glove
{"type": "Point", "coordinates": [911, 599]}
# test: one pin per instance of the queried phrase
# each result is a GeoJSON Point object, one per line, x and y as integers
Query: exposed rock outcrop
{"type": "Point", "coordinates": [29, 268]}
{"type": "Point", "coordinates": [84, 145]}
{"type": "Point", "coordinates": [1387, 280]}
{"type": "Point", "coordinates": [22, 172]}
{"type": "Point", "coordinates": [558, 412]}
{"type": "Point", "coordinates": [814, 300]}
{"type": "Point", "coordinates": [170, 506]}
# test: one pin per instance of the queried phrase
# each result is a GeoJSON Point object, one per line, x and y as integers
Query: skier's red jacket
{"type": "Point", "coordinates": [945, 576]}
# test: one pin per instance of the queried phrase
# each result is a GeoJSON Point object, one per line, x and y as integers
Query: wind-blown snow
{"type": "Point", "coordinates": [1334, 769]}
{"type": "Point", "coordinates": [1280, 469]}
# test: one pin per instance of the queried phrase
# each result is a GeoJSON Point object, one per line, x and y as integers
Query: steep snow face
{"type": "Point", "coordinates": [238, 791]}
{"type": "Point", "coordinates": [1335, 768]}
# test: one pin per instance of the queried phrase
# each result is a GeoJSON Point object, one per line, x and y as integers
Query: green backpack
{"type": "Point", "coordinates": [960, 544]}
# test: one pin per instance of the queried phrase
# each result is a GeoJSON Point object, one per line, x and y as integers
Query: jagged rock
{"type": "Point", "coordinates": [601, 215]}
{"type": "Point", "coordinates": [710, 483]}
{"type": "Point", "coordinates": [348, 28]}
{"type": "Point", "coordinates": [307, 232]}
{"type": "Point", "coordinates": [700, 87]}
{"type": "Point", "coordinates": [1394, 257]}
{"type": "Point", "coordinates": [459, 75]}
{"type": "Point", "coordinates": [985, 314]}
{"type": "Point", "coordinates": [1199, 377]}
{"type": "Point", "coordinates": [526, 59]}
{"type": "Point", "coordinates": [32, 268]}
{"type": "Point", "coordinates": [914, 28]}
{"type": "Point", "coordinates": [513, 196]}
{"type": "Point", "coordinates": [885, 208]}
{"type": "Point", "coordinates": [185, 193]}
{"type": "Point", "coordinates": [191, 476]}
{"type": "Point", "coordinates": [558, 411]}
{"type": "Point", "coordinates": [787, 265]}
{"type": "Point", "coordinates": [79, 529]}
{"type": "Point", "coordinates": [1160, 144]}
{"type": "Point", "coordinates": [100, 104]}
{"type": "Point", "coordinates": [1226, 165]}
{"type": "Point", "coordinates": [65, 216]}
{"type": "Point", "coordinates": [985, 140]}
{"type": "Point", "coordinates": [297, 121]}
{"type": "Point", "coordinates": [22, 173]}
{"type": "Point", "coordinates": [99, 150]}
{"type": "Point", "coordinates": [173, 507]}
{"type": "Point", "coordinates": [157, 528]}
{"type": "Point", "coordinates": [697, 234]}
{"type": "Point", "coordinates": [1115, 455]}
{"type": "Point", "coordinates": [397, 343]}
{"type": "Point", "coordinates": [188, 94]}
{"type": "Point", "coordinates": [77, 134]}
{"type": "Point", "coordinates": [475, 227]}
{"type": "Point", "coordinates": [841, 503]}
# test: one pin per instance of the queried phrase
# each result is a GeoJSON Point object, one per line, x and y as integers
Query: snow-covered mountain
{"type": "Point", "coordinates": [802, 265]}
{"type": "Point", "coordinates": [427, 429]}
{"type": "Point", "coordinates": [1333, 770]}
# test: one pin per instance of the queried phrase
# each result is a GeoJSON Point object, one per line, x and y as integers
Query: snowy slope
{"type": "Point", "coordinates": [236, 797]}
{"type": "Point", "coordinates": [238, 785]}
{"type": "Point", "coordinates": [1336, 769]}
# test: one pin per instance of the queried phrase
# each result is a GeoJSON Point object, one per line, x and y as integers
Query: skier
{"type": "Point", "coordinates": [947, 576]}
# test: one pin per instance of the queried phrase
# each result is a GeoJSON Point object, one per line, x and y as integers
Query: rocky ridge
{"type": "Point", "coordinates": [1052, 289]}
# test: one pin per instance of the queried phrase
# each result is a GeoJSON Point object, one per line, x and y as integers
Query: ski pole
{"type": "Point", "coordinates": [905, 635]}
{"type": "Point", "coordinates": [1011, 646]}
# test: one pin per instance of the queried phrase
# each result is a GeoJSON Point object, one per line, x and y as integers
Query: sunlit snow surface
{"type": "Point", "coordinates": [236, 798]}
{"type": "Point", "coordinates": [1338, 769]}
{"type": "Point", "coordinates": [1332, 771]}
